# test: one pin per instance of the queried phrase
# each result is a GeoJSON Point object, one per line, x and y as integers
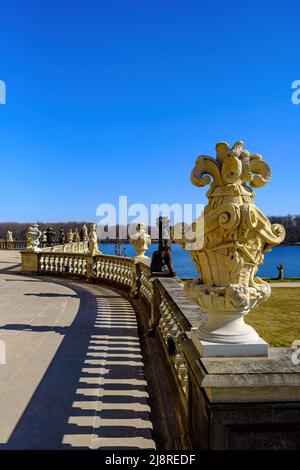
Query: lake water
{"type": "Point", "coordinates": [289, 256]}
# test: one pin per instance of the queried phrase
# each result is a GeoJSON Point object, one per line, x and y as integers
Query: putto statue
{"type": "Point", "coordinates": [227, 253]}
{"type": "Point", "coordinates": [61, 237]}
{"type": "Point", "coordinates": [76, 235]}
{"type": "Point", "coordinates": [93, 241]}
{"type": "Point", "coordinates": [9, 236]}
{"type": "Point", "coordinates": [70, 236]}
{"type": "Point", "coordinates": [85, 236]}
{"type": "Point", "coordinates": [33, 238]}
{"type": "Point", "coordinates": [140, 241]}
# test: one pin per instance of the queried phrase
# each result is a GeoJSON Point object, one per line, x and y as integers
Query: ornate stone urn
{"type": "Point", "coordinates": [70, 236]}
{"type": "Point", "coordinates": [140, 241]}
{"type": "Point", "coordinates": [227, 253]}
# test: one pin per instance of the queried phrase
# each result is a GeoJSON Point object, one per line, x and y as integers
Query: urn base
{"type": "Point", "coordinates": [254, 347]}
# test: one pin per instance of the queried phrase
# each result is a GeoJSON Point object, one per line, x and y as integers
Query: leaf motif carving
{"type": "Point", "coordinates": [261, 171]}
{"type": "Point", "coordinates": [205, 169]}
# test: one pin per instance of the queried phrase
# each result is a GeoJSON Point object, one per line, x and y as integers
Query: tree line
{"type": "Point", "coordinates": [19, 230]}
{"type": "Point", "coordinates": [291, 224]}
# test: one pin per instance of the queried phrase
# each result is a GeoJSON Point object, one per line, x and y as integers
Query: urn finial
{"type": "Point", "coordinates": [235, 236]}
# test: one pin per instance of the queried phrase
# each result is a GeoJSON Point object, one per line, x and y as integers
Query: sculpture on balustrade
{"type": "Point", "coordinates": [33, 238]}
{"type": "Point", "coordinates": [161, 258]}
{"type": "Point", "coordinates": [70, 236]}
{"type": "Point", "coordinates": [9, 236]}
{"type": "Point", "coordinates": [140, 241]}
{"type": "Point", "coordinates": [76, 235]}
{"type": "Point", "coordinates": [85, 236]}
{"type": "Point", "coordinates": [228, 251]}
{"type": "Point", "coordinates": [43, 238]}
{"type": "Point", "coordinates": [50, 236]}
{"type": "Point", "coordinates": [93, 241]}
{"type": "Point", "coordinates": [61, 237]}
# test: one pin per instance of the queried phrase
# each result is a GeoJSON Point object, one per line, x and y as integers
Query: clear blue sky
{"type": "Point", "coordinates": [119, 97]}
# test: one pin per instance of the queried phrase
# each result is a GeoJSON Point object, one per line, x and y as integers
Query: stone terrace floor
{"type": "Point", "coordinates": [74, 374]}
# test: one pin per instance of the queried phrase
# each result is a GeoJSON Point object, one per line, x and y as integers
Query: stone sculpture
{"type": "Point", "coordinates": [62, 237]}
{"type": "Point", "coordinates": [161, 258]}
{"type": "Point", "coordinates": [280, 269]}
{"type": "Point", "coordinates": [50, 236]}
{"type": "Point", "coordinates": [93, 241]}
{"type": "Point", "coordinates": [70, 236]}
{"type": "Point", "coordinates": [227, 254]}
{"type": "Point", "coordinates": [9, 236]}
{"type": "Point", "coordinates": [85, 236]}
{"type": "Point", "coordinates": [76, 235]}
{"type": "Point", "coordinates": [33, 238]}
{"type": "Point", "coordinates": [140, 241]}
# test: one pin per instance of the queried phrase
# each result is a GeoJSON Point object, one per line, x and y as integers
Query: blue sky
{"type": "Point", "coordinates": [118, 98]}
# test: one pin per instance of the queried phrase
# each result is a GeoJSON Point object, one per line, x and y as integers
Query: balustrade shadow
{"type": "Point", "coordinates": [51, 294]}
{"type": "Point", "coordinates": [11, 269]}
{"type": "Point", "coordinates": [93, 394]}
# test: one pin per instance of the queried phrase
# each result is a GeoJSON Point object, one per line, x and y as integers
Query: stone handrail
{"type": "Point", "coordinates": [212, 397]}
{"type": "Point", "coordinates": [74, 247]}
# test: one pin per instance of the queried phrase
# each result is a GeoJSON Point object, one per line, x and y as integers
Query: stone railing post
{"type": "Point", "coordinates": [90, 263]}
{"type": "Point", "coordinates": [29, 262]}
{"type": "Point", "coordinates": [228, 249]}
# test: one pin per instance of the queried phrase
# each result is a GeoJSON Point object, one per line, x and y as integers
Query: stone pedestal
{"type": "Point", "coordinates": [244, 403]}
{"type": "Point", "coordinates": [30, 263]}
{"type": "Point", "coordinates": [142, 259]}
{"type": "Point", "coordinates": [252, 347]}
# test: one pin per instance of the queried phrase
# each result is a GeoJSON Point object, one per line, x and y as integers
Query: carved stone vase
{"type": "Point", "coordinates": [140, 241]}
{"type": "Point", "coordinates": [228, 251]}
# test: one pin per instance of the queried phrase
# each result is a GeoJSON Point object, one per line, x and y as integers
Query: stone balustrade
{"type": "Point", "coordinates": [219, 403]}
{"type": "Point", "coordinates": [71, 264]}
{"type": "Point", "coordinates": [12, 245]}
{"type": "Point", "coordinates": [74, 247]}
{"type": "Point", "coordinates": [114, 269]}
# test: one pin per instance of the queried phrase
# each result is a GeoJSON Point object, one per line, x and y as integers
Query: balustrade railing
{"type": "Point", "coordinates": [62, 264]}
{"type": "Point", "coordinates": [145, 284]}
{"type": "Point", "coordinates": [112, 269]}
{"type": "Point", "coordinates": [14, 245]}
{"type": "Point", "coordinates": [115, 269]}
{"type": "Point", "coordinates": [74, 247]}
{"type": "Point", "coordinates": [171, 333]}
